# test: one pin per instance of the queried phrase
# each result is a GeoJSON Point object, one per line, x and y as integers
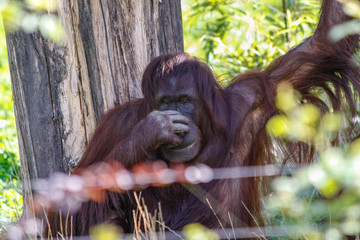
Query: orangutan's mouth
{"type": "Point", "coordinates": [181, 154]}
{"type": "Point", "coordinates": [181, 147]}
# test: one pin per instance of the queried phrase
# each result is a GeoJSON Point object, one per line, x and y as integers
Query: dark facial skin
{"type": "Point", "coordinates": [179, 94]}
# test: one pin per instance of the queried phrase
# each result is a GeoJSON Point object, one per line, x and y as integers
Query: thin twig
{"type": "Point", "coordinates": [170, 230]}
{"type": "Point", "coordinates": [252, 216]}
{"type": "Point", "coordinates": [222, 227]}
{"type": "Point", "coordinates": [48, 223]}
{"type": "Point", "coordinates": [231, 224]}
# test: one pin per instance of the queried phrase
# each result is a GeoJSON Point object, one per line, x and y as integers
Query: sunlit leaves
{"type": "Point", "coordinates": [31, 16]}
{"type": "Point", "coordinates": [279, 126]}
{"type": "Point", "coordinates": [9, 158]}
{"type": "Point", "coordinates": [286, 98]}
{"type": "Point", "coordinates": [197, 231]}
{"type": "Point", "coordinates": [43, 5]}
{"type": "Point", "coordinates": [355, 147]}
{"type": "Point", "coordinates": [10, 184]}
{"type": "Point", "coordinates": [352, 8]}
{"type": "Point", "coordinates": [10, 202]}
{"type": "Point", "coordinates": [333, 234]}
{"type": "Point", "coordinates": [342, 30]}
{"type": "Point", "coordinates": [50, 27]}
{"type": "Point", "coordinates": [303, 122]}
{"type": "Point", "coordinates": [327, 192]}
{"type": "Point", "coordinates": [236, 36]}
{"type": "Point", "coordinates": [325, 183]}
{"type": "Point", "coordinates": [105, 232]}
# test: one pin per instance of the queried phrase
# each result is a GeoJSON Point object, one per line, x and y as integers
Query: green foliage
{"type": "Point", "coordinates": [237, 36]}
{"type": "Point", "coordinates": [320, 200]}
{"type": "Point", "coordinates": [10, 201]}
{"type": "Point", "coordinates": [197, 231]}
{"type": "Point", "coordinates": [10, 180]}
{"type": "Point", "coordinates": [31, 16]}
{"type": "Point", "coordinates": [323, 198]}
{"type": "Point", "coordinates": [105, 232]}
{"type": "Point", "coordinates": [304, 122]}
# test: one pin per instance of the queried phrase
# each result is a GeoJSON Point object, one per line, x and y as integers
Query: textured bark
{"type": "Point", "coordinates": [61, 91]}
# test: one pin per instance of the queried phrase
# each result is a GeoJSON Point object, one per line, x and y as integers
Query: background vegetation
{"type": "Point", "coordinates": [30, 16]}
{"type": "Point", "coordinates": [10, 181]}
{"type": "Point", "coordinates": [236, 36]}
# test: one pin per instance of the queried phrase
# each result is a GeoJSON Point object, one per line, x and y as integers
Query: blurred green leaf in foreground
{"type": "Point", "coordinates": [322, 199]}
{"type": "Point", "coordinates": [31, 16]}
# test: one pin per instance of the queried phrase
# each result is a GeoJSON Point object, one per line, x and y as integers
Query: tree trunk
{"type": "Point", "coordinates": [61, 91]}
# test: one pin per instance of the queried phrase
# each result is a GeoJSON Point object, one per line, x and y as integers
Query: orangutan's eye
{"type": "Point", "coordinates": [165, 101]}
{"type": "Point", "coordinates": [184, 100]}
